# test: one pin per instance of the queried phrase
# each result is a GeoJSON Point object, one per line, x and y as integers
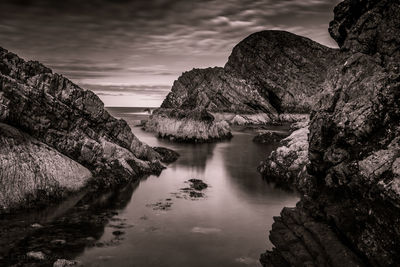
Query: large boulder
{"type": "Point", "coordinates": [31, 172]}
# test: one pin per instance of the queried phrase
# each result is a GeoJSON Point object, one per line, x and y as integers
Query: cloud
{"type": "Point", "coordinates": [143, 42]}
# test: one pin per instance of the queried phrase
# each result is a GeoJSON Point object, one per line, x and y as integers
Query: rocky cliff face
{"type": "Point", "coordinates": [354, 149]}
{"type": "Point", "coordinates": [217, 91]}
{"type": "Point", "coordinates": [269, 75]}
{"type": "Point", "coordinates": [287, 69]}
{"type": "Point", "coordinates": [71, 120]}
{"type": "Point", "coordinates": [269, 72]}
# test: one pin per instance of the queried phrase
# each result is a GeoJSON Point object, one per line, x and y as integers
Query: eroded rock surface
{"type": "Point", "coordinates": [354, 143]}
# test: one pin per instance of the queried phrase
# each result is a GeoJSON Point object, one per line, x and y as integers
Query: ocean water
{"type": "Point", "coordinates": [155, 223]}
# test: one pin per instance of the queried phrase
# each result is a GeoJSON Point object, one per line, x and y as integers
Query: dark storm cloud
{"type": "Point", "coordinates": [147, 41]}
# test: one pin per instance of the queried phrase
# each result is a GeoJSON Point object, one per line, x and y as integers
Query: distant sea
{"type": "Point", "coordinates": [133, 115]}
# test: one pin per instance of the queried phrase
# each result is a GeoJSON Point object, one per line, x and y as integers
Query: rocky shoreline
{"type": "Point", "coordinates": [45, 116]}
{"type": "Point", "coordinates": [349, 183]}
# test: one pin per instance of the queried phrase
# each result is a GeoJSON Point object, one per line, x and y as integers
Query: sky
{"type": "Point", "coordinates": [129, 52]}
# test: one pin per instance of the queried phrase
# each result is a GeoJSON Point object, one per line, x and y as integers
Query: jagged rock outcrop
{"type": "Point", "coordinates": [354, 142]}
{"type": "Point", "coordinates": [216, 90]}
{"type": "Point", "coordinates": [268, 72]}
{"type": "Point", "coordinates": [286, 166]}
{"type": "Point", "coordinates": [270, 76]}
{"type": "Point", "coordinates": [58, 113]}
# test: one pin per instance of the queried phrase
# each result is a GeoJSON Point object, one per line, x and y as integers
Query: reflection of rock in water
{"type": "Point", "coordinates": [195, 156]}
{"type": "Point", "coordinates": [239, 159]}
{"type": "Point", "coordinates": [79, 225]}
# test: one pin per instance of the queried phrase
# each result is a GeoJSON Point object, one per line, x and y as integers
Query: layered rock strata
{"type": "Point", "coordinates": [354, 149]}
{"type": "Point", "coordinates": [70, 121]}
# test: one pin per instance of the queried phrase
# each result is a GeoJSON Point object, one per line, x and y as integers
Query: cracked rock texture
{"type": "Point", "coordinates": [354, 147]}
{"type": "Point", "coordinates": [70, 120]}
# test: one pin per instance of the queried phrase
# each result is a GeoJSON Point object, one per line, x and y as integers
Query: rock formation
{"type": "Point", "coordinates": [286, 166]}
{"type": "Point", "coordinates": [354, 151]}
{"type": "Point", "coordinates": [270, 76]}
{"type": "Point", "coordinates": [286, 69]}
{"type": "Point", "coordinates": [195, 126]}
{"type": "Point", "coordinates": [65, 119]}
{"type": "Point", "coordinates": [31, 169]}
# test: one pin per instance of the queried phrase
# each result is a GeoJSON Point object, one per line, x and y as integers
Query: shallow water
{"type": "Point", "coordinates": [155, 223]}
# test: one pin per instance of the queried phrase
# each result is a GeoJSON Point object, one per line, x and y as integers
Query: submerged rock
{"type": "Point", "coordinates": [198, 184]}
{"type": "Point", "coordinates": [65, 263]}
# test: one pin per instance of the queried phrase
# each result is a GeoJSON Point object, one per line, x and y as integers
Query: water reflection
{"type": "Point", "coordinates": [61, 231]}
{"type": "Point", "coordinates": [120, 228]}
{"type": "Point", "coordinates": [241, 161]}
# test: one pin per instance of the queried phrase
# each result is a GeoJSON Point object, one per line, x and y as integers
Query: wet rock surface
{"type": "Point", "coordinates": [197, 184]}
{"type": "Point", "coordinates": [353, 149]}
